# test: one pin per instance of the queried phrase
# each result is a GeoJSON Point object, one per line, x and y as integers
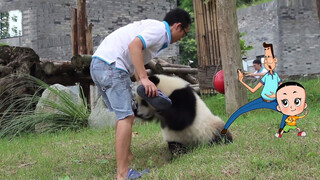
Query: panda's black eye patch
{"type": "Point", "coordinates": [144, 103]}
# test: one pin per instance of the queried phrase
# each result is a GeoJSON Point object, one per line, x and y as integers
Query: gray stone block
{"type": "Point", "coordinates": [100, 117]}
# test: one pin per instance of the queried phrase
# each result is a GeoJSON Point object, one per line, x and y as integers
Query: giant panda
{"type": "Point", "coordinates": [188, 122]}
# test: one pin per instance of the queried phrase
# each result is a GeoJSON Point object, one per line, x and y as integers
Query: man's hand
{"type": "Point", "coordinates": [240, 75]}
{"type": "Point", "coordinates": [151, 89]}
{"type": "Point", "coordinates": [271, 96]}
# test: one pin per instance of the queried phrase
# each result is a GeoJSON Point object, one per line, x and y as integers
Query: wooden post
{"type": "Point", "coordinates": [89, 39]}
{"type": "Point", "coordinates": [208, 47]}
{"type": "Point", "coordinates": [318, 4]}
{"type": "Point", "coordinates": [74, 31]}
{"type": "Point", "coordinates": [82, 26]}
{"type": "Point", "coordinates": [235, 93]}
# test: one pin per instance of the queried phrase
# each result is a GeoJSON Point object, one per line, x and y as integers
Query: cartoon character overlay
{"type": "Point", "coordinates": [270, 82]}
{"type": "Point", "coordinates": [291, 98]}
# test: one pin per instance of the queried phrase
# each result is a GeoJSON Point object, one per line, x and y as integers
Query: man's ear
{"type": "Point", "coordinates": [275, 59]}
{"type": "Point", "coordinates": [278, 108]}
{"type": "Point", "coordinates": [305, 105]}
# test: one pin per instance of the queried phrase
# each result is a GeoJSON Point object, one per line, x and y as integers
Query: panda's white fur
{"type": "Point", "coordinates": [204, 128]}
{"type": "Point", "coordinates": [201, 131]}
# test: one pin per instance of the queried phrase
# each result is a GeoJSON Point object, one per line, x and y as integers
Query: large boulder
{"type": "Point", "coordinates": [100, 116]}
{"type": "Point", "coordinates": [49, 95]}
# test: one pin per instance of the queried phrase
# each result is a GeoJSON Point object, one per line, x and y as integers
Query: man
{"type": "Point", "coordinates": [270, 81]}
{"type": "Point", "coordinates": [291, 98]}
{"type": "Point", "coordinates": [124, 53]}
{"type": "Point", "coordinates": [260, 71]}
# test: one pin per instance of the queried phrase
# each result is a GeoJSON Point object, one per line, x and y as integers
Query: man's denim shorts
{"type": "Point", "coordinates": [114, 87]}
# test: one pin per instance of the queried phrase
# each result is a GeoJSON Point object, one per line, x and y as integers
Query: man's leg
{"type": "Point", "coordinates": [245, 108]}
{"type": "Point", "coordinates": [123, 141]}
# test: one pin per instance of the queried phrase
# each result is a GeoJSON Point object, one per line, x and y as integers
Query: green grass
{"type": "Point", "coordinates": [255, 153]}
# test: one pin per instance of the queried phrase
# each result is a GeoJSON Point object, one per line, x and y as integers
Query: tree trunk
{"type": "Point", "coordinates": [235, 93]}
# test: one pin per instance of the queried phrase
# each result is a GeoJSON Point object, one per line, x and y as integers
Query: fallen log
{"type": "Point", "coordinates": [47, 67]}
{"type": "Point", "coordinates": [81, 62]}
{"type": "Point", "coordinates": [170, 70]}
{"type": "Point", "coordinates": [152, 66]}
{"type": "Point", "coordinates": [195, 87]}
{"type": "Point", "coordinates": [173, 65]}
{"type": "Point", "coordinates": [55, 68]}
{"type": "Point", "coordinates": [159, 60]}
{"type": "Point", "coordinates": [189, 78]}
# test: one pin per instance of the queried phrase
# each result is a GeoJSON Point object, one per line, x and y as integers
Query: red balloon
{"type": "Point", "coordinates": [218, 82]}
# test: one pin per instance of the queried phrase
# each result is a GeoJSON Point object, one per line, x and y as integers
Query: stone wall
{"type": "Point", "coordinates": [299, 37]}
{"type": "Point", "coordinates": [292, 26]}
{"type": "Point", "coordinates": [46, 24]}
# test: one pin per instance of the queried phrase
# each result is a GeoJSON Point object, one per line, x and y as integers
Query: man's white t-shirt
{"type": "Point", "coordinates": [262, 70]}
{"type": "Point", "coordinates": [155, 36]}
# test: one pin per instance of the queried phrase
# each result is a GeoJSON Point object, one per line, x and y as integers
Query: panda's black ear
{"type": "Point", "coordinates": [154, 79]}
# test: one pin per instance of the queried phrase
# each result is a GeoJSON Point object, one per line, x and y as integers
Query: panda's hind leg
{"type": "Point", "coordinates": [176, 148]}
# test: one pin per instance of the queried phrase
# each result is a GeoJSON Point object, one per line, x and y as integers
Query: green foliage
{"type": "Point", "coordinates": [188, 51]}
{"type": "Point", "coordinates": [243, 47]}
{"type": "Point", "coordinates": [19, 115]}
{"type": "Point", "coordinates": [188, 44]}
{"type": "Point", "coordinates": [4, 25]}
{"type": "Point", "coordinates": [3, 44]}
{"type": "Point", "coordinates": [247, 3]}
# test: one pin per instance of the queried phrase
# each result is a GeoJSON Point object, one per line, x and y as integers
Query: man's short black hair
{"type": "Point", "coordinates": [178, 15]}
{"type": "Point", "coordinates": [257, 61]}
{"type": "Point", "coordinates": [289, 84]}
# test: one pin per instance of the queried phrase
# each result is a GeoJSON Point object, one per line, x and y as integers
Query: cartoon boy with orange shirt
{"type": "Point", "coordinates": [291, 98]}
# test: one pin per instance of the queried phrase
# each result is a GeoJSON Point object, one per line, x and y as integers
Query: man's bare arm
{"type": "Point", "coordinates": [247, 86]}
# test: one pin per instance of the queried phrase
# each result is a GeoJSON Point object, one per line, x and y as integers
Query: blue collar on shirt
{"type": "Point", "coordinates": [260, 70]}
{"type": "Point", "coordinates": [271, 74]}
{"type": "Point", "coordinates": [168, 30]}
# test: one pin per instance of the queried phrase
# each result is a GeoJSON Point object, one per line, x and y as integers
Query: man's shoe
{"type": "Point", "coordinates": [132, 174]}
{"type": "Point", "coordinates": [160, 102]}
